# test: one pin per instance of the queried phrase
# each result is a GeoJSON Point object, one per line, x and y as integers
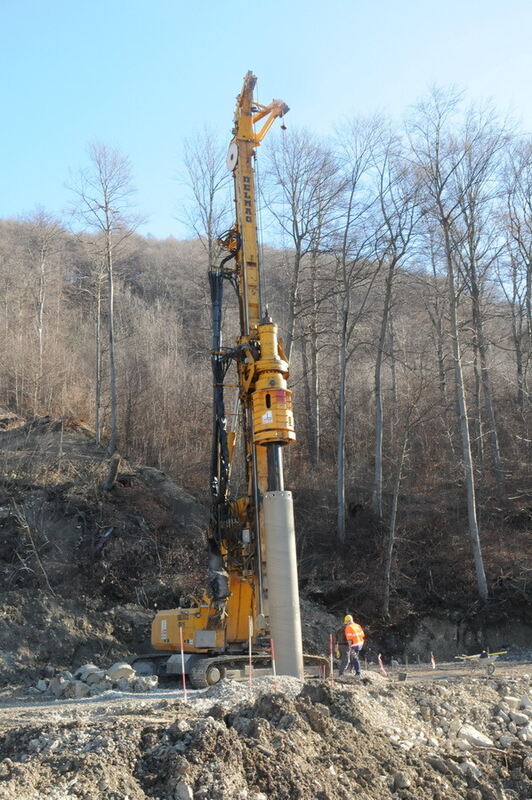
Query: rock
{"type": "Point", "coordinates": [506, 741]}
{"type": "Point", "coordinates": [527, 766]}
{"type": "Point", "coordinates": [57, 686]}
{"type": "Point", "coordinates": [145, 683]}
{"type": "Point", "coordinates": [511, 701]}
{"type": "Point", "coordinates": [76, 690]}
{"type": "Point", "coordinates": [519, 718]}
{"type": "Point", "coordinates": [525, 702]}
{"type": "Point", "coordinates": [42, 685]}
{"type": "Point", "coordinates": [525, 733]}
{"type": "Point", "coordinates": [124, 685]}
{"type": "Point", "coordinates": [48, 671]}
{"type": "Point", "coordinates": [503, 716]}
{"type": "Point", "coordinates": [462, 744]}
{"type": "Point", "coordinates": [95, 677]}
{"type": "Point", "coordinates": [474, 737]}
{"type": "Point", "coordinates": [406, 745]}
{"type": "Point", "coordinates": [120, 670]}
{"type": "Point", "coordinates": [401, 780]}
{"type": "Point", "coordinates": [183, 791]}
{"type": "Point", "coordinates": [317, 716]}
{"type": "Point", "coordinates": [98, 688]}
{"type": "Point", "coordinates": [455, 768]}
{"type": "Point", "coordinates": [468, 768]}
{"type": "Point", "coordinates": [82, 672]}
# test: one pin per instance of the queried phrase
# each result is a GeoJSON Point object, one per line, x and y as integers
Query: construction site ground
{"type": "Point", "coordinates": [83, 570]}
{"type": "Point", "coordinates": [440, 734]}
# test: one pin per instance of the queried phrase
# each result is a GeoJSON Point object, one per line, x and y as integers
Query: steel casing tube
{"type": "Point", "coordinates": [283, 592]}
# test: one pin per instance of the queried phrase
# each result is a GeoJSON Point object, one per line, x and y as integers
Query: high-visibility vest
{"type": "Point", "coordinates": [354, 634]}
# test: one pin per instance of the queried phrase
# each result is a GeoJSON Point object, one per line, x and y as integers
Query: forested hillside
{"type": "Point", "coordinates": [401, 278]}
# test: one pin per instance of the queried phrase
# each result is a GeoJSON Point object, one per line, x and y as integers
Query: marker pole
{"type": "Point", "coordinates": [183, 663]}
{"type": "Point", "coordinates": [250, 636]}
{"type": "Point", "coordinates": [275, 687]}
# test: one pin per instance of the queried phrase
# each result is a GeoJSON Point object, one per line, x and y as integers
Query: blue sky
{"type": "Point", "coordinates": [141, 76]}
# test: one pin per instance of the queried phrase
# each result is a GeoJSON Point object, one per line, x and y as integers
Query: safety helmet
{"type": "Point", "coordinates": [348, 618]}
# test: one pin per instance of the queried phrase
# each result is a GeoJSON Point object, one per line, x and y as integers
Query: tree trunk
{"type": "Point", "coordinates": [377, 475]}
{"type": "Point", "coordinates": [486, 387]}
{"type": "Point", "coordinates": [294, 294]}
{"type": "Point", "coordinates": [388, 555]}
{"type": "Point", "coordinates": [340, 495]}
{"type": "Point", "coordinates": [98, 422]}
{"type": "Point", "coordinates": [40, 332]}
{"type": "Point", "coordinates": [307, 380]}
{"type": "Point", "coordinates": [464, 427]}
{"type": "Point", "coordinates": [479, 433]}
{"type": "Point", "coordinates": [111, 447]}
{"type": "Point", "coordinates": [314, 369]}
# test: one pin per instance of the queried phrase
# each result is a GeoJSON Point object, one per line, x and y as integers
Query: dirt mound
{"type": "Point", "coordinates": [82, 568]}
{"type": "Point", "coordinates": [444, 741]}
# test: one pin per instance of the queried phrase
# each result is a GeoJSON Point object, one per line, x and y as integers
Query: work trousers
{"type": "Point", "coordinates": [349, 661]}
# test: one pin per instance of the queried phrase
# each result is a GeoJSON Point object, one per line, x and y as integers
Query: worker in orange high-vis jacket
{"type": "Point", "coordinates": [349, 641]}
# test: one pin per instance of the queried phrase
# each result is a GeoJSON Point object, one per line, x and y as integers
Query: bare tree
{"type": "Point", "coordinates": [304, 187]}
{"type": "Point", "coordinates": [516, 274]}
{"type": "Point", "coordinates": [477, 247]}
{"type": "Point", "coordinates": [104, 192]}
{"type": "Point", "coordinates": [398, 213]}
{"type": "Point", "coordinates": [43, 242]}
{"type": "Point", "coordinates": [438, 156]}
{"type": "Point", "coordinates": [355, 271]}
{"type": "Point", "coordinates": [412, 417]}
{"type": "Point", "coordinates": [207, 212]}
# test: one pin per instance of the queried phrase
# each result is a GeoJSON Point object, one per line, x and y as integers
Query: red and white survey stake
{"type": "Point", "coordinates": [433, 660]}
{"type": "Point", "coordinates": [381, 666]}
{"type": "Point", "coordinates": [183, 664]}
{"type": "Point", "coordinates": [250, 636]}
{"type": "Point", "coordinates": [275, 687]}
{"type": "Point", "coordinates": [331, 658]}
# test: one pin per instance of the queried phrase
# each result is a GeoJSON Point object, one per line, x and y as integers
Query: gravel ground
{"type": "Point", "coordinates": [447, 738]}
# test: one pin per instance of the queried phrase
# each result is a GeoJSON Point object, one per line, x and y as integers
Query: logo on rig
{"type": "Point", "coordinates": [248, 198]}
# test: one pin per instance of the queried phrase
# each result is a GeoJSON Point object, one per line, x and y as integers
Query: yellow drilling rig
{"type": "Point", "coordinates": [253, 591]}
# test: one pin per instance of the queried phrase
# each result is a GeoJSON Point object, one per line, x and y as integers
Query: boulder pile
{"type": "Point", "coordinates": [90, 680]}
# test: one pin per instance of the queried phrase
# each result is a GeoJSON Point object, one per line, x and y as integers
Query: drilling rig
{"type": "Point", "coordinates": [253, 589]}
